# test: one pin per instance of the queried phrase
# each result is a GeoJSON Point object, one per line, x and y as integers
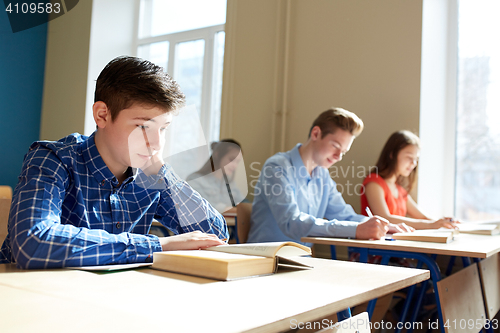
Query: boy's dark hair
{"type": "Point", "coordinates": [388, 159]}
{"type": "Point", "coordinates": [127, 80]}
{"type": "Point", "coordinates": [331, 119]}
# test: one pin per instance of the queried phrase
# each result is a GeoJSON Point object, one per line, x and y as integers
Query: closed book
{"type": "Point", "coordinates": [233, 261]}
{"type": "Point", "coordinates": [487, 228]}
{"type": "Point", "coordinates": [428, 235]}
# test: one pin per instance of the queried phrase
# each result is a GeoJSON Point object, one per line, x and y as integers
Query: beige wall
{"type": "Point", "coordinates": [66, 66]}
{"type": "Point", "coordinates": [300, 57]}
{"type": "Point", "coordinates": [79, 44]}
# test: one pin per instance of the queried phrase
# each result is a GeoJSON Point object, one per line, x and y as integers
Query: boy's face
{"type": "Point", "coordinates": [231, 160]}
{"type": "Point", "coordinates": [330, 149]}
{"type": "Point", "coordinates": [134, 137]}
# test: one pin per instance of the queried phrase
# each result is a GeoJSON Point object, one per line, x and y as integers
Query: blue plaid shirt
{"type": "Point", "coordinates": [68, 209]}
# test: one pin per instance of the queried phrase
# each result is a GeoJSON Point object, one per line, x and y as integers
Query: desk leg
{"type": "Point", "coordinates": [363, 254]}
{"type": "Point", "coordinates": [466, 261]}
{"type": "Point", "coordinates": [431, 265]}
{"type": "Point", "coordinates": [409, 297]}
{"type": "Point", "coordinates": [450, 265]}
{"type": "Point", "coordinates": [342, 315]}
{"type": "Point", "coordinates": [371, 305]}
{"type": "Point", "coordinates": [333, 251]}
{"type": "Point", "coordinates": [235, 230]}
{"type": "Point", "coordinates": [418, 303]}
{"type": "Point", "coordinates": [421, 295]}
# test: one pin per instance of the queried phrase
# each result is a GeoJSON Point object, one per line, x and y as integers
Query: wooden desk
{"type": "Point", "coordinates": [464, 245]}
{"type": "Point", "coordinates": [130, 301]}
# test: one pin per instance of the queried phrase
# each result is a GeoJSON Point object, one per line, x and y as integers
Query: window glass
{"type": "Point", "coordinates": [190, 47]}
{"type": "Point", "coordinates": [188, 70]}
{"type": "Point", "coordinates": [155, 52]}
{"type": "Point", "coordinates": [478, 111]}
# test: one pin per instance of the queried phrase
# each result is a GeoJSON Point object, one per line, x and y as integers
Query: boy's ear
{"type": "Point", "coordinates": [315, 133]}
{"type": "Point", "coordinates": [102, 115]}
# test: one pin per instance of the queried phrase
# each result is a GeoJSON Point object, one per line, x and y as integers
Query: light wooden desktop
{"type": "Point", "coordinates": [134, 300]}
{"type": "Point", "coordinates": [464, 245]}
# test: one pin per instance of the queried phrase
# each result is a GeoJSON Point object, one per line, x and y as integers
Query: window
{"type": "Point", "coordinates": [477, 178]}
{"type": "Point", "coordinates": [187, 39]}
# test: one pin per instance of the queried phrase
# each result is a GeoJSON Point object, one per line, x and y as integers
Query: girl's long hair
{"type": "Point", "coordinates": [388, 159]}
{"type": "Point", "coordinates": [219, 150]}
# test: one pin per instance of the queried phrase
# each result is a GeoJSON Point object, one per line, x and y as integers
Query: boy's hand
{"type": "Point", "coordinates": [189, 241]}
{"type": "Point", "coordinates": [375, 228]}
{"type": "Point", "coordinates": [399, 227]}
{"type": "Point", "coordinates": [153, 165]}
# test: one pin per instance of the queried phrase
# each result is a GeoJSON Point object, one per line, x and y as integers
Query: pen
{"type": "Point", "coordinates": [368, 211]}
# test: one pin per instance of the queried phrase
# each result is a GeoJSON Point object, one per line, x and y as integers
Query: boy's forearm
{"type": "Point", "coordinates": [68, 246]}
{"type": "Point", "coordinates": [193, 212]}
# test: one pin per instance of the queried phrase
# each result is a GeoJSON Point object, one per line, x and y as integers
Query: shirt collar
{"type": "Point", "coordinates": [300, 168]}
{"type": "Point", "coordinates": [96, 164]}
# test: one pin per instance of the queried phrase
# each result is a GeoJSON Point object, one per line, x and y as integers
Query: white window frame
{"type": "Point", "coordinates": [210, 66]}
{"type": "Point", "coordinates": [438, 94]}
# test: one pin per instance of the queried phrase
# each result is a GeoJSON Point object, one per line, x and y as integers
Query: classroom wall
{"type": "Point", "coordinates": [287, 61]}
{"type": "Point", "coordinates": [66, 73]}
{"type": "Point", "coordinates": [22, 63]}
{"type": "Point", "coordinates": [79, 45]}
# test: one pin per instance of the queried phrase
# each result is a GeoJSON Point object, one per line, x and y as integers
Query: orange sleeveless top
{"type": "Point", "coordinates": [397, 206]}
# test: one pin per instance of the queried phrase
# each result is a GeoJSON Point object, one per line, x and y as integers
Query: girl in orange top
{"type": "Point", "coordinates": [390, 181]}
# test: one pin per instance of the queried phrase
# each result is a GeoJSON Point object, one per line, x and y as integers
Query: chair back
{"type": "Point", "coordinates": [243, 212]}
{"type": "Point", "coordinates": [5, 200]}
{"type": "Point", "coordinates": [5, 192]}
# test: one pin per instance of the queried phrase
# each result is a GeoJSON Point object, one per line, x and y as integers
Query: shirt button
{"type": "Point", "coordinates": [118, 225]}
{"type": "Point", "coordinates": [103, 182]}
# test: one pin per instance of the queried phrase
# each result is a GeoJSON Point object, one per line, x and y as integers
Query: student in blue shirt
{"type": "Point", "coordinates": [296, 197]}
{"type": "Point", "coordinates": [91, 200]}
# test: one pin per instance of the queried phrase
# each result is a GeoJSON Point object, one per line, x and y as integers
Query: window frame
{"type": "Point", "coordinates": [438, 103]}
{"type": "Point", "coordinates": [207, 110]}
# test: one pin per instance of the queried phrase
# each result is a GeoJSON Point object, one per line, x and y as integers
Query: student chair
{"type": "Point", "coordinates": [243, 212]}
{"type": "Point", "coordinates": [5, 200]}
{"type": "Point", "coordinates": [5, 192]}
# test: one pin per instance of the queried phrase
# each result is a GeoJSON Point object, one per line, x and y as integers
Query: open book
{"type": "Point", "coordinates": [427, 235]}
{"type": "Point", "coordinates": [232, 261]}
